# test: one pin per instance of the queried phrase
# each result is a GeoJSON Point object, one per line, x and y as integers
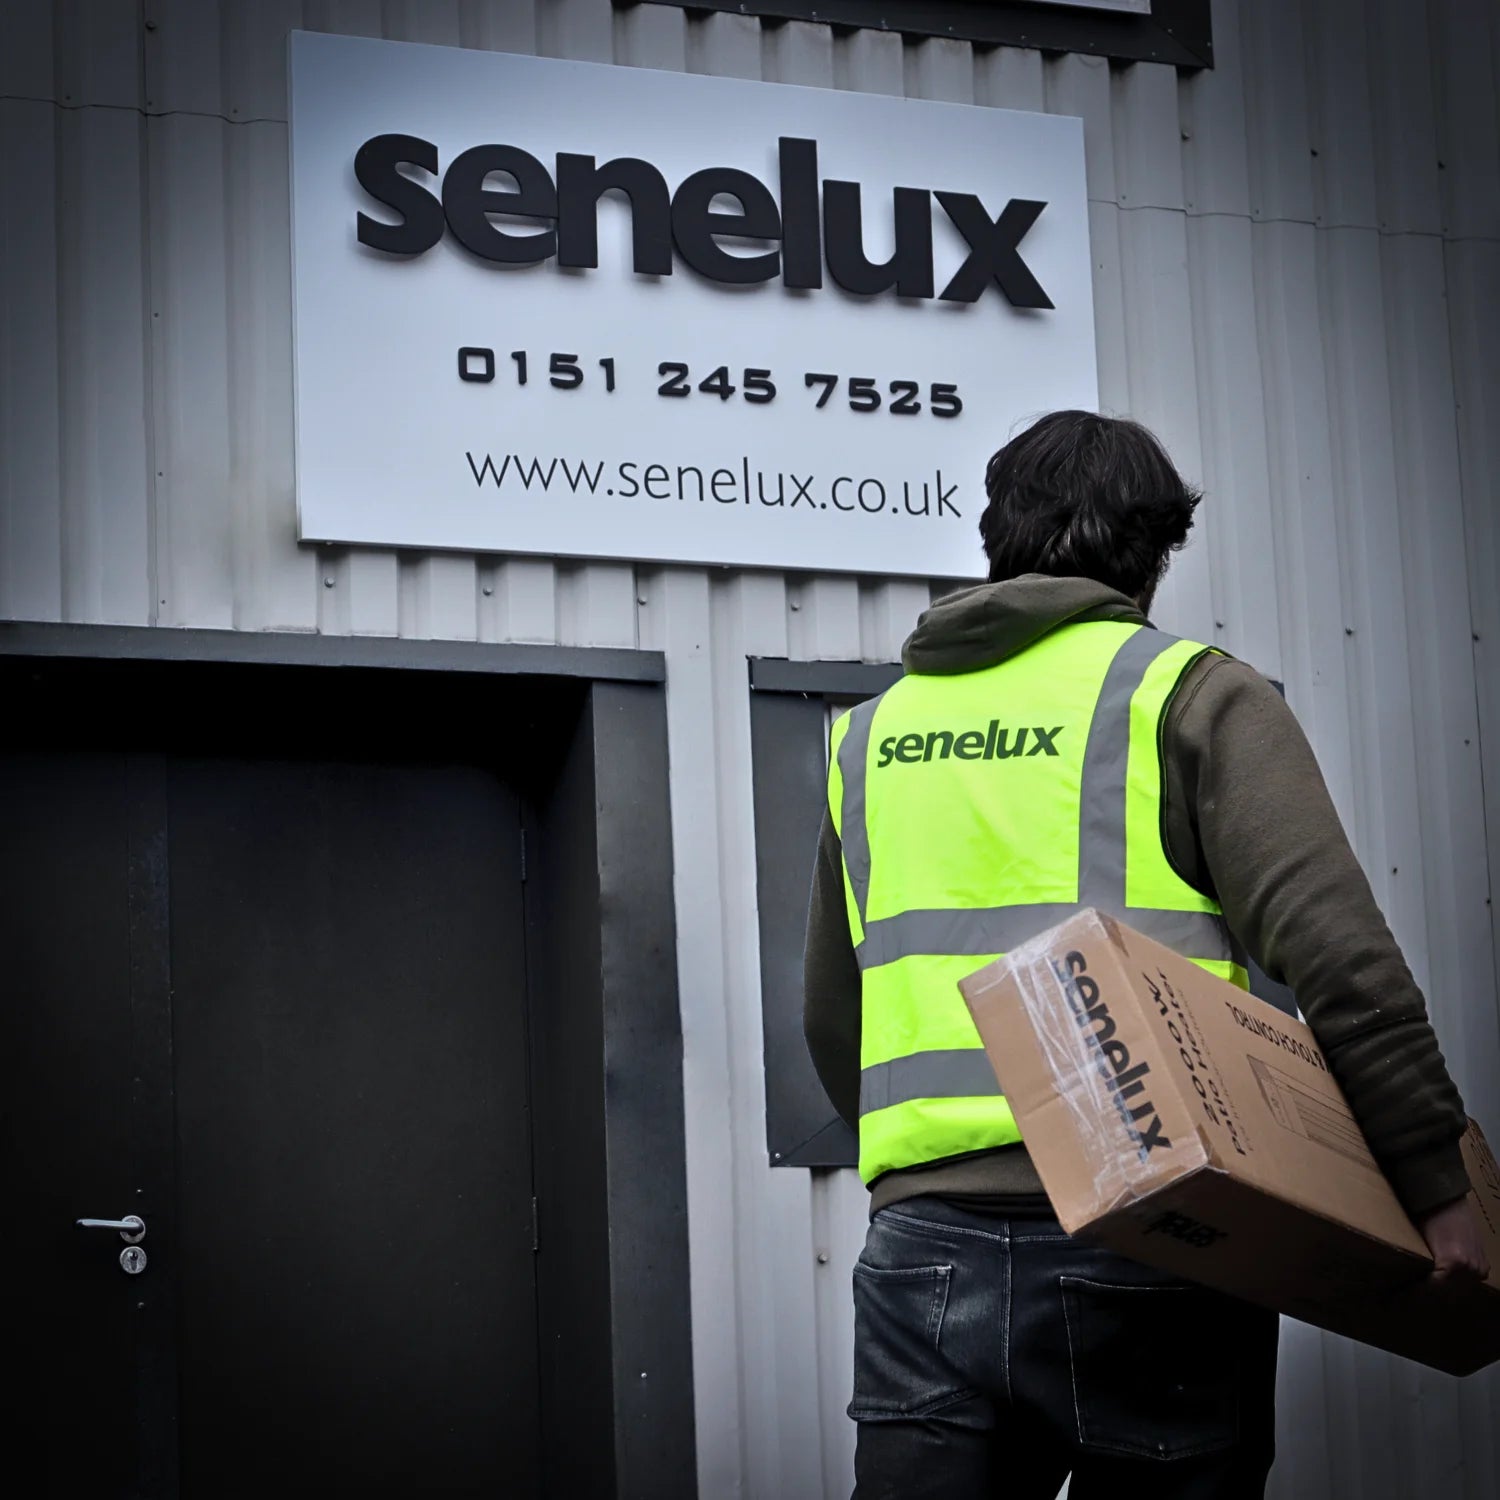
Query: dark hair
{"type": "Point", "coordinates": [1082, 496]}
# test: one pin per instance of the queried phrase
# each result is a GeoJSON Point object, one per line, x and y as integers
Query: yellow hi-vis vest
{"type": "Point", "coordinates": [975, 811]}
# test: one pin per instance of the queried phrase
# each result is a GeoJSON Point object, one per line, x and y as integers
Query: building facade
{"type": "Point", "coordinates": [1296, 283]}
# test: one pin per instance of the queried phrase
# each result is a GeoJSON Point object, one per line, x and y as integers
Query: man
{"type": "Point", "coordinates": [1163, 781]}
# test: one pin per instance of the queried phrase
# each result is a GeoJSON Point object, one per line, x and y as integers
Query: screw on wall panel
{"type": "Point", "coordinates": [776, 1156]}
{"type": "Point", "coordinates": [328, 582]}
{"type": "Point", "coordinates": [1348, 630]}
{"type": "Point", "coordinates": [822, 1257]}
{"type": "Point", "coordinates": [640, 598]}
{"type": "Point", "coordinates": [795, 605]}
{"type": "Point", "coordinates": [487, 590]}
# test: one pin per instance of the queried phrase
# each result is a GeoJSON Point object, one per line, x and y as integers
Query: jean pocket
{"type": "Point", "coordinates": [899, 1369]}
{"type": "Point", "coordinates": [1154, 1368]}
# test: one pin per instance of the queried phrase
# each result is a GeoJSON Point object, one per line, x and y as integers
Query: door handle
{"type": "Point", "coordinates": [132, 1227]}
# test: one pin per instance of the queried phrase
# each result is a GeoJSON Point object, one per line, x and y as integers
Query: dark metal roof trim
{"type": "Point", "coordinates": [1177, 31]}
{"type": "Point", "coordinates": [824, 679]}
{"type": "Point", "coordinates": [286, 648]}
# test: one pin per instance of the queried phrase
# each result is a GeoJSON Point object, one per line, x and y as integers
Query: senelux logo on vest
{"type": "Point", "coordinates": [1124, 1079]}
{"type": "Point", "coordinates": [812, 222]}
{"type": "Point", "coordinates": [993, 743]}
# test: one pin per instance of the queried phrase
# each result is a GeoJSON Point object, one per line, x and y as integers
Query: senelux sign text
{"type": "Point", "coordinates": [811, 224]}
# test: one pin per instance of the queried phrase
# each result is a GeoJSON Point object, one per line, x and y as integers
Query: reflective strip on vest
{"type": "Point", "coordinates": [958, 1073]}
{"type": "Point", "coordinates": [1204, 936]}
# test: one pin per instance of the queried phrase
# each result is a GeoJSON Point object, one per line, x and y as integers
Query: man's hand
{"type": "Point", "coordinates": [1453, 1235]}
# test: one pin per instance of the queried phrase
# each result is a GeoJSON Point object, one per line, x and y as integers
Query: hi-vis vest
{"type": "Point", "coordinates": [975, 811]}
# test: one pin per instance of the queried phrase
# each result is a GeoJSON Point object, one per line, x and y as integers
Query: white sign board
{"type": "Point", "coordinates": [577, 310]}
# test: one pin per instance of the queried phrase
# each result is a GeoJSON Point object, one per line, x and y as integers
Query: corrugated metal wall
{"type": "Point", "coordinates": [1297, 262]}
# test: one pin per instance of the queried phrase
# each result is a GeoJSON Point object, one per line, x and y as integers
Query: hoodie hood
{"type": "Point", "coordinates": [978, 627]}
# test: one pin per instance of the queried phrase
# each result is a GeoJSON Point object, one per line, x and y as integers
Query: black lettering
{"type": "Point", "coordinates": [909, 269]}
{"type": "Point", "coordinates": [804, 487]}
{"type": "Point", "coordinates": [1001, 751]}
{"type": "Point", "coordinates": [376, 165]}
{"type": "Point", "coordinates": [582, 474]}
{"type": "Point", "coordinates": [728, 479]}
{"type": "Point", "coordinates": [696, 225]}
{"type": "Point", "coordinates": [909, 749]}
{"type": "Point", "coordinates": [812, 225]}
{"type": "Point", "coordinates": [1167, 1223]}
{"type": "Point", "coordinates": [656, 474]}
{"type": "Point", "coordinates": [485, 371]}
{"type": "Point", "coordinates": [467, 204]}
{"type": "Point", "coordinates": [887, 751]}
{"type": "Point", "coordinates": [969, 745]}
{"type": "Point", "coordinates": [939, 737]}
{"type": "Point", "coordinates": [1128, 1081]}
{"type": "Point", "coordinates": [1106, 1023]}
{"type": "Point", "coordinates": [834, 494]}
{"type": "Point", "coordinates": [993, 250]}
{"type": "Point", "coordinates": [760, 487]}
{"type": "Point", "coordinates": [488, 468]}
{"type": "Point", "coordinates": [1152, 1137]}
{"type": "Point", "coordinates": [944, 496]}
{"type": "Point", "coordinates": [580, 185]}
{"type": "Point", "coordinates": [801, 242]}
{"type": "Point", "coordinates": [1190, 1231]}
{"type": "Point", "coordinates": [627, 476]}
{"type": "Point", "coordinates": [697, 474]}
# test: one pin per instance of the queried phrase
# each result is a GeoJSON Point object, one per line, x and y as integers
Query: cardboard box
{"type": "Point", "coordinates": [1188, 1125]}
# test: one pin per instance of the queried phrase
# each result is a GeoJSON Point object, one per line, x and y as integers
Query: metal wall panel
{"type": "Point", "coordinates": [1297, 281]}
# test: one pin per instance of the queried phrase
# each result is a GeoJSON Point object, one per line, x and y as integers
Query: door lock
{"type": "Point", "coordinates": [132, 1260]}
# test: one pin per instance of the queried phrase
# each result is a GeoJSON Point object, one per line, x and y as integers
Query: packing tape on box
{"type": "Point", "coordinates": [1095, 1077]}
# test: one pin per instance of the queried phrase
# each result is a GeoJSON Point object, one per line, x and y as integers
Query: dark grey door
{"type": "Point", "coordinates": [302, 977]}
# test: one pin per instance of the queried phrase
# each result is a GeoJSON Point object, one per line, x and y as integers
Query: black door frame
{"type": "Point", "coordinates": [585, 730]}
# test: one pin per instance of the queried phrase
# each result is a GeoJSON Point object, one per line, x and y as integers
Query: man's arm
{"type": "Point", "coordinates": [1249, 819]}
{"type": "Point", "coordinates": [830, 981]}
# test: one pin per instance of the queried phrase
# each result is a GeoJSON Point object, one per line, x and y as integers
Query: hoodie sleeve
{"type": "Point", "coordinates": [830, 981]}
{"type": "Point", "coordinates": [1248, 819]}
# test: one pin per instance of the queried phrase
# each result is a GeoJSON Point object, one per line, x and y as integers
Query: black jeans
{"type": "Point", "coordinates": [994, 1356]}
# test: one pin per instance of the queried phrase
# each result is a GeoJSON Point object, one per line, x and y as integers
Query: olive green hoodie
{"type": "Point", "coordinates": [1248, 821]}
